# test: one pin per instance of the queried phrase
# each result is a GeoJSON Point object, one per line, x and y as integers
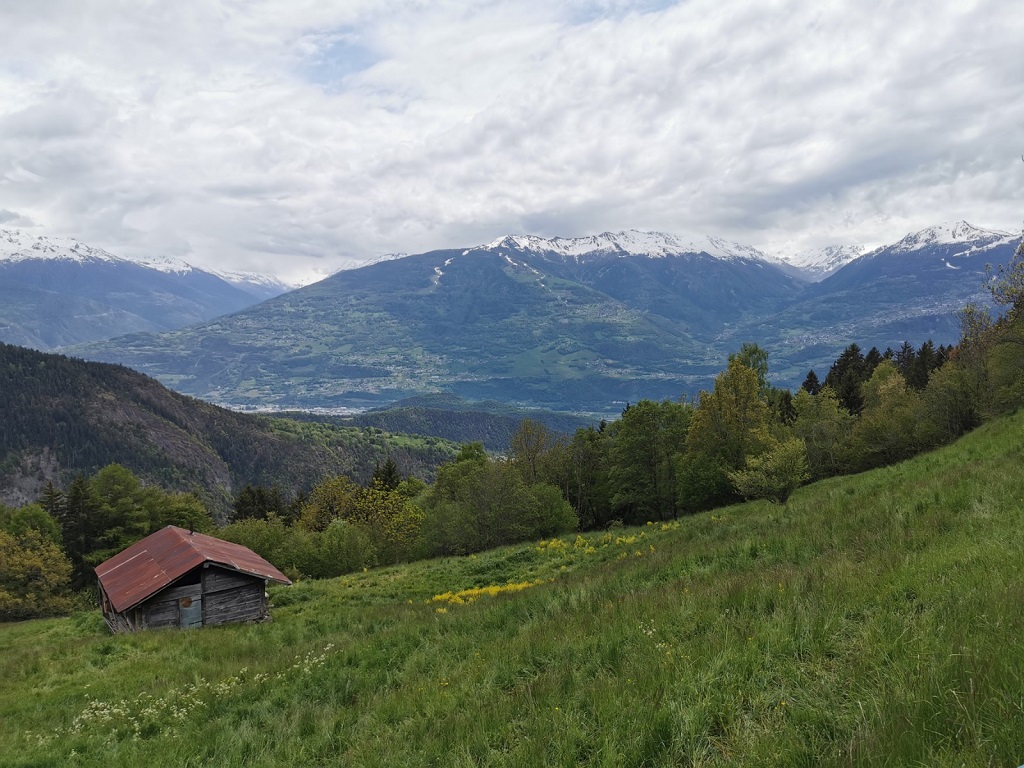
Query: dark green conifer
{"type": "Point", "coordinates": [811, 384]}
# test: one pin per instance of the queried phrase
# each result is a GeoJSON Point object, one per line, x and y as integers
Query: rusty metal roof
{"type": "Point", "coordinates": [149, 565]}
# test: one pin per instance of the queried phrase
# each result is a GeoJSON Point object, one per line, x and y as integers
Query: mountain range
{"type": "Point", "coordinates": [55, 292]}
{"type": "Point", "coordinates": [583, 324]}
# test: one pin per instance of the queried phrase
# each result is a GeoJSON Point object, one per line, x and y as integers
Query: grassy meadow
{"type": "Point", "coordinates": [873, 620]}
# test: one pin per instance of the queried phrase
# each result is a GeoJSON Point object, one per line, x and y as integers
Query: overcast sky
{"type": "Point", "coordinates": [295, 136]}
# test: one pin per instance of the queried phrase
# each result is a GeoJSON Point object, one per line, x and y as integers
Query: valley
{"type": "Point", "coordinates": [630, 384]}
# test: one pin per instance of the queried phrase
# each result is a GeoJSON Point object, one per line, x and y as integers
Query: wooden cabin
{"type": "Point", "coordinates": [179, 578]}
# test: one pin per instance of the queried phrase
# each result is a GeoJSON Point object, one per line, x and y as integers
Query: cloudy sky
{"type": "Point", "coordinates": [296, 136]}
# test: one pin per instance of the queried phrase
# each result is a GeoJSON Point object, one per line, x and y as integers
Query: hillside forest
{"type": "Point", "coordinates": [742, 439]}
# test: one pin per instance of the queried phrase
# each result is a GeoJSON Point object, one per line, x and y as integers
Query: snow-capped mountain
{"type": "Point", "coordinates": [954, 239]}
{"type": "Point", "coordinates": [58, 291]}
{"type": "Point", "coordinates": [631, 242]}
{"type": "Point", "coordinates": [568, 323]}
{"type": "Point", "coordinates": [941, 266]}
{"type": "Point", "coordinates": [957, 233]}
{"type": "Point", "coordinates": [818, 263]}
{"type": "Point", "coordinates": [261, 286]}
{"type": "Point", "coordinates": [16, 246]}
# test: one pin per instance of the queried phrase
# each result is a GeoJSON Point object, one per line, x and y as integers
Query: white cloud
{"type": "Point", "coordinates": [290, 136]}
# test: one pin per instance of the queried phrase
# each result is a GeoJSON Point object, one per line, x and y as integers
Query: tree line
{"type": "Point", "coordinates": [48, 549]}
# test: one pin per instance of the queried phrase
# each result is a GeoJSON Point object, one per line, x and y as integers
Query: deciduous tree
{"type": "Point", "coordinates": [644, 446]}
{"type": "Point", "coordinates": [774, 473]}
{"type": "Point", "coordinates": [527, 448]}
{"type": "Point", "coordinates": [886, 430]}
{"type": "Point", "coordinates": [825, 427]}
{"type": "Point", "coordinates": [34, 577]}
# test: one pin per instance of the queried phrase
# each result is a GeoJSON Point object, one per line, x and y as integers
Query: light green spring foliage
{"type": "Point", "coordinates": [31, 517]}
{"type": "Point", "coordinates": [886, 431]}
{"type": "Point", "coordinates": [730, 420]}
{"type": "Point", "coordinates": [755, 358]}
{"type": "Point", "coordinates": [731, 427]}
{"type": "Point", "coordinates": [475, 505]}
{"type": "Point", "coordinates": [774, 473]}
{"type": "Point", "coordinates": [825, 427]}
{"type": "Point", "coordinates": [873, 620]}
{"type": "Point", "coordinates": [342, 547]}
{"type": "Point", "coordinates": [35, 576]}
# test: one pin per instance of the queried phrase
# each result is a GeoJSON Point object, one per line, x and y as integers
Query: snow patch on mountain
{"type": "Point", "coordinates": [166, 264]}
{"type": "Point", "coordinates": [628, 243]}
{"type": "Point", "coordinates": [383, 257]}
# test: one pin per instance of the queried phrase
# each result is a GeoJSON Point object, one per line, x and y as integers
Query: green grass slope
{"type": "Point", "coordinates": [874, 620]}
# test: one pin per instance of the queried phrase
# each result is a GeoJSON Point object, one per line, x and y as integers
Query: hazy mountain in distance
{"type": "Point", "coordinates": [56, 292]}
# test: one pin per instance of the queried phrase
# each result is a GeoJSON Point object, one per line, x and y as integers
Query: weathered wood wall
{"type": "Point", "coordinates": [228, 596]}
{"type": "Point", "coordinates": [244, 603]}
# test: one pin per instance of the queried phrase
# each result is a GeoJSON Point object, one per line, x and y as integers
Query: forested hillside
{"type": "Point", "coordinates": [60, 416]}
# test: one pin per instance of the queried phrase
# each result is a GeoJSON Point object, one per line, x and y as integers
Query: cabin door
{"type": "Point", "coordinates": [190, 612]}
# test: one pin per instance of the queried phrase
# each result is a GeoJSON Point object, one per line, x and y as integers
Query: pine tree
{"type": "Point", "coordinates": [925, 361]}
{"type": "Point", "coordinates": [871, 361]}
{"type": "Point", "coordinates": [846, 376]}
{"type": "Point", "coordinates": [781, 403]}
{"type": "Point", "coordinates": [905, 358]}
{"type": "Point", "coordinates": [811, 384]}
{"type": "Point", "coordinates": [78, 528]}
{"type": "Point", "coordinates": [386, 475]}
{"type": "Point", "coordinates": [54, 501]}
{"type": "Point", "coordinates": [257, 502]}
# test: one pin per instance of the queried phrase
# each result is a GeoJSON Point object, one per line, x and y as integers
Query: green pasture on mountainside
{"type": "Point", "coordinates": [873, 620]}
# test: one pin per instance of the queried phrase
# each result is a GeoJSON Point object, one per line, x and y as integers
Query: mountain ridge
{"type": "Point", "coordinates": [630, 242]}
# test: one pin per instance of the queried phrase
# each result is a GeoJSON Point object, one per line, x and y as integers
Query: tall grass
{"type": "Point", "coordinates": [873, 620]}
